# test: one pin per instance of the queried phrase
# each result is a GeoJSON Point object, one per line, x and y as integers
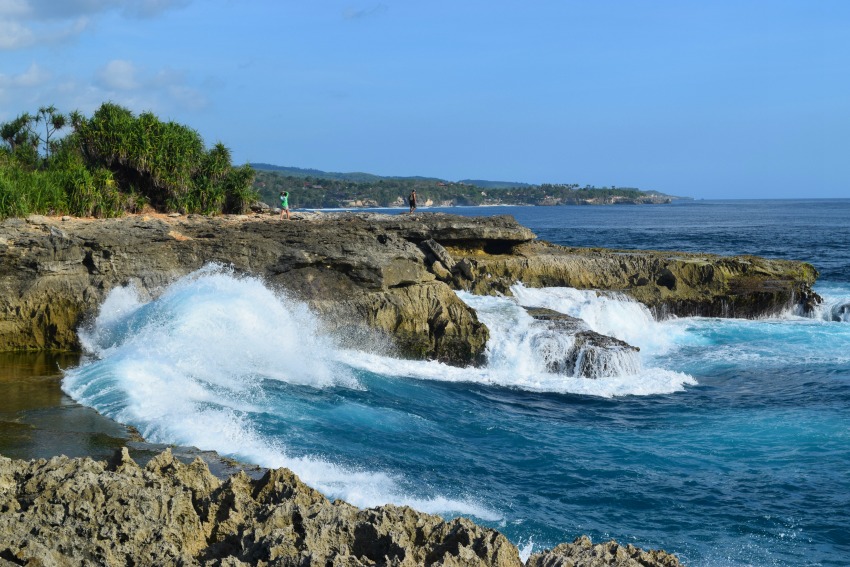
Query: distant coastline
{"type": "Point", "coordinates": [316, 189]}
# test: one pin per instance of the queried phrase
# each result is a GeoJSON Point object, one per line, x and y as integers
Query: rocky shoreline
{"type": "Point", "coordinates": [381, 280]}
{"type": "Point", "coordinates": [84, 512]}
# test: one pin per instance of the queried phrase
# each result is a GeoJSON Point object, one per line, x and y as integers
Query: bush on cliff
{"type": "Point", "coordinates": [115, 162]}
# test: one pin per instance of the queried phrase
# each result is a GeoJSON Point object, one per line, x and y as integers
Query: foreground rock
{"type": "Point", "coordinates": [84, 512]}
{"type": "Point", "coordinates": [374, 279]}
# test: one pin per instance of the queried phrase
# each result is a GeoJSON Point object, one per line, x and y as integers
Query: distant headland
{"type": "Point", "coordinates": [316, 189]}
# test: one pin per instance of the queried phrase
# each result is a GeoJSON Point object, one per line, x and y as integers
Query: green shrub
{"type": "Point", "coordinates": [115, 162]}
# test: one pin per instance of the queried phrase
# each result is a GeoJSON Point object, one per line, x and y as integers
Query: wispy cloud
{"type": "Point", "coordinates": [152, 8]}
{"type": "Point", "coordinates": [118, 75]}
{"type": "Point", "coordinates": [13, 8]}
{"type": "Point", "coordinates": [19, 88]}
{"type": "Point", "coordinates": [122, 80]}
{"type": "Point", "coordinates": [32, 77]}
{"type": "Point", "coordinates": [14, 35]}
{"type": "Point", "coordinates": [32, 23]}
{"type": "Point", "coordinates": [71, 9]}
{"type": "Point", "coordinates": [360, 13]}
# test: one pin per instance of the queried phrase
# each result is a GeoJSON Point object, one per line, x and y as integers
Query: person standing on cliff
{"type": "Point", "coordinates": [284, 204]}
{"type": "Point", "coordinates": [412, 201]}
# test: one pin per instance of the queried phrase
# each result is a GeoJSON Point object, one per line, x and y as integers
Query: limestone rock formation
{"type": "Point", "coordinates": [83, 512]}
{"type": "Point", "coordinates": [669, 283]}
{"type": "Point", "coordinates": [582, 553]}
{"type": "Point", "coordinates": [383, 279]}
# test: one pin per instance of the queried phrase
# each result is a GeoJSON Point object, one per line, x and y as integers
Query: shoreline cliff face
{"type": "Point", "coordinates": [85, 512]}
{"type": "Point", "coordinates": [384, 279]}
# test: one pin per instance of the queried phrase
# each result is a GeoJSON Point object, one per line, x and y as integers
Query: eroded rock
{"type": "Point", "coordinates": [391, 274]}
{"type": "Point", "coordinates": [74, 512]}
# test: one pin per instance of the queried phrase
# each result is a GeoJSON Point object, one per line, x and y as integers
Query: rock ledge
{"type": "Point", "coordinates": [83, 512]}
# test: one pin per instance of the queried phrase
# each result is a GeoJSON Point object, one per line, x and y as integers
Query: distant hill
{"type": "Point", "coordinates": [314, 188]}
{"type": "Point", "coordinates": [494, 184]}
{"type": "Point", "coordinates": [359, 177]}
{"type": "Point", "coordinates": [355, 177]}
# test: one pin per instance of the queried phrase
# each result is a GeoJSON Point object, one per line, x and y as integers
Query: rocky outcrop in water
{"type": "Point", "coordinates": [380, 280]}
{"type": "Point", "coordinates": [571, 348]}
{"type": "Point", "coordinates": [83, 512]}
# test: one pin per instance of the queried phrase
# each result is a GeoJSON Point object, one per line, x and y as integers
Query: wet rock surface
{"type": "Point", "coordinates": [669, 283]}
{"type": "Point", "coordinates": [385, 280]}
{"type": "Point", "coordinates": [585, 353]}
{"type": "Point", "coordinates": [84, 512]}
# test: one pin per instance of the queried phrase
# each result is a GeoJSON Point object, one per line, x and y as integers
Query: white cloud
{"type": "Point", "coordinates": [119, 75]}
{"type": "Point", "coordinates": [17, 35]}
{"type": "Point", "coordinates": [127, 83]}
{"type": "Point", "coordinates": [14, 35]}
{"type": "Point", "coordinates": [27, 25]}
{"type": "Point", "coordinates": [32, 77]}
{"type": "Point", "coordinates": [13, 8]}
{"type": "Point", "coordinates": [30, 23]}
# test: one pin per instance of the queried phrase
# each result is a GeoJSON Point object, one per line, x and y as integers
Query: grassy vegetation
{"type": "Point", "coordinates": [112, 163]}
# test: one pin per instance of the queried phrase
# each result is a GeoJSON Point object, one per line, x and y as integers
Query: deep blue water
{"type": "Point", "coordinates": [728, 445]}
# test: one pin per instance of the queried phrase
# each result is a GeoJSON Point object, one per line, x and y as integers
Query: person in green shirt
{"type": "Point", "coordinates": [284, 204]}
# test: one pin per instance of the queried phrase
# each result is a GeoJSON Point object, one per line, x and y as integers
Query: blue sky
{"type": "Point", "coordinates": [721, 99]}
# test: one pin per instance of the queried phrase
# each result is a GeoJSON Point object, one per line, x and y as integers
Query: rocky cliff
{"type": "Point", "coordinates": [83, 512]}
{"type": "Point", "coordinates": [384, 279]}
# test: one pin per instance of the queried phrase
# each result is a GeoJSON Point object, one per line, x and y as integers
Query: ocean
{"type": "Point", "coordinates": [726, 442]}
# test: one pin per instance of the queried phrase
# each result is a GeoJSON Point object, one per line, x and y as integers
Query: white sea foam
{"type": "Point", "coordinates": [190, 367]}
{"type": "Point", "coordinates": [607, 313]}
{"type": "Point", "coordinates": [835, 306]}
{"type": "Point", "coordinates": [515, 360]}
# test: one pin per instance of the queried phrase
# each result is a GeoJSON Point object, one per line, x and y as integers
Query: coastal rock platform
{"type": "Point", "coordinates": [388, 280]}
{"type": "Point", "coordinates": [73, 512]}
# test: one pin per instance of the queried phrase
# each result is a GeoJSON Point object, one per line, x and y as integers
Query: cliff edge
{"type": "Point", "coordinates": [389, 279]}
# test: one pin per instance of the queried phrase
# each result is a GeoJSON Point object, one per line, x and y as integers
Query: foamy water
{"type": "Point", "coordinates": [222, 362]}
{"type": "Point", "coordinates": [193, 368]}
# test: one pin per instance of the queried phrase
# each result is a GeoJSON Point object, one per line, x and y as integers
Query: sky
{"type": "Point", "coordinates": [713, 100]}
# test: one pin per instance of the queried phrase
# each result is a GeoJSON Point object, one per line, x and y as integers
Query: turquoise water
{"type": "Point", "coordinates": [726, 442]}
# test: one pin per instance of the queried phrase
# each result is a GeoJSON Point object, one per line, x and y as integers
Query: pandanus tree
{"type": "Point", "coordinates": [165, 161]}
{"type": "Point", "coordinates": [115, 162]}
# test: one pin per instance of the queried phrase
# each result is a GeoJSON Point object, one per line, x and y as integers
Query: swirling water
{"type": "Point", "coordinates": [726, 442]}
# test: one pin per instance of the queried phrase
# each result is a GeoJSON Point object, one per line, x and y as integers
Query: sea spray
{"type": "Point", "coordinates": [215, 359]}
{"type": "Point", "coordinates": [835, 305]}
{"type": "Point", "coordinates": [605, 312]}
{"type": "Point", "coordinates": [522, 352]}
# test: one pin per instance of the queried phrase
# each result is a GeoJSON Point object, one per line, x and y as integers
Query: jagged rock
{"type": "Point", "coordinates": [441, 272]}
{"type": "Point", "coordinates": [358, 269]}
{"type": "Point", "coordinates": [341, 264]}
{"type": "Point", "coordinates": [259, 207]}
{"type": "Point", "coordinates": [669, 283]}
{"type": "Point", "coordinates": [74, 512]}
{"type": "Point", "coordinates": [465, 269]}
{"type": "Point", "coordinates": [582, 553]}
{"type": "Point", "coordinates": [437, 253]}
{"type": "Point", "coordinates": [83, 512]}
{"type": "Point", "coordinates": [588, 355]}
